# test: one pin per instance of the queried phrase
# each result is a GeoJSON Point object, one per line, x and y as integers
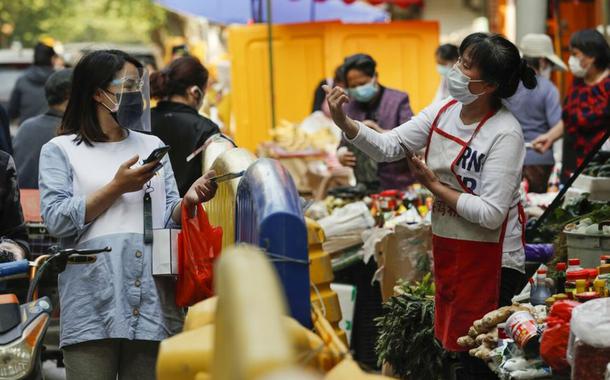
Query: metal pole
{"type": "Point", "coordinates": [270, 46]}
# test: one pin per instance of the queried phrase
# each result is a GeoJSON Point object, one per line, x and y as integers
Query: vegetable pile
{"type": "Point", "coordinates": [599, 167]}
{"type": "Point", "coordinates": [406, 341]}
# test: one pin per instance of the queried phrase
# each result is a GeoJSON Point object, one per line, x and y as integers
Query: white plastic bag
{"type": "Point", "coordinates": [355, 217]}
{"type": "Point", "coordinates": [589, 345]}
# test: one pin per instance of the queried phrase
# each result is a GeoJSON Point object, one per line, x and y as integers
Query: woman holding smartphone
{"type": "Point", "coordinates": [95, 192]}
{"type": "Point", "coordinates": [474, 157]}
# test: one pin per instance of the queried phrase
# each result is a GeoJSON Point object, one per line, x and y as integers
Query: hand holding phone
{"type": "Point", "coordinates": [157, 154]}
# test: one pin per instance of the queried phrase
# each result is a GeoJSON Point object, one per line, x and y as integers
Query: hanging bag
{"type": "Point", "coordinates": [199, 244]}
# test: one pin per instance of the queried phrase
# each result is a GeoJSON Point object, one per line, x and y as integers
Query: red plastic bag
{"type": "Point", "coordinates": [199, 245]}
{"type": "Point", "coordinates": [554, 342]}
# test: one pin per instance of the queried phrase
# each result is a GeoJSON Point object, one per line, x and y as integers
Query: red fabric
{"type": "Point", "coordinates": [586, 115]}
{"type": "Point", "coordinates": [554, 342]}
{"type": "Point", "coordinates": [466, 273]}
{"type": "Point", "coordinates": [199, 245]}
{"type": "Point", "coordinates": [467, 279]}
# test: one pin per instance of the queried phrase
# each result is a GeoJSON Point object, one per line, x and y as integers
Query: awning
{"type": "Point", "coordinates": [283, 11]}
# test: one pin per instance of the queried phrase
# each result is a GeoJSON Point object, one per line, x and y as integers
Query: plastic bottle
{"type": "Point", "coordinates": [541, 291]}
{"type": "Point", "coordinates": [604, 274]}
{"type": "Point", "coordinates": [573, 265]}
{"type": "Point", "coordinates": [561, 277]}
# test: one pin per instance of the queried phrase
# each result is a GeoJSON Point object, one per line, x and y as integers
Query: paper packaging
{"type": "Point", "coordinates": [347, 302]}
{"type": "Point", "coordinates": [165, 252]}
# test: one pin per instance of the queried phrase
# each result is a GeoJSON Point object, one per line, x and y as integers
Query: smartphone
{"type": "Point", "coordinates": [408, 152]}
{"type": "Point", "coordinates": [157, 154]}
{"type": "Point", "coordinates": [227, 177]}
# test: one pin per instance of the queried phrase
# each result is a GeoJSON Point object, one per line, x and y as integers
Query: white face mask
{"type": "Point", "coordinates": [576, 67]}
{"type": "Point", "coordinates": [546, 72]}
{"type": "Point", "coordinates": [457, 83]}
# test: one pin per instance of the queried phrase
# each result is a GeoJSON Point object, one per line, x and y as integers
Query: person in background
{"type": "Point", "coordinates": [539, 109]}
{"type": "Point", "coordinates": [13, 234]}
{"type": "Point", "coordinates": [381, 109]}
{"type": "Point", "coordinates": [28, 99]}
{"type": "Point", "coordinates": [446, 56]}
{"type": "Point", "coordinates": [586, 108]}
{"type": "Point", "coordinates": [93, 193]}
{"type": "Point", "coordinates": [39, 130]}
{"type": "Point", "coordinates": [176, 120]}
{"type": "Point", "coordinates": [474, 159]}
{"type": "Point", "coordinates": [319, 97]}
{"type": "Point", "coordinates": [5, 131]}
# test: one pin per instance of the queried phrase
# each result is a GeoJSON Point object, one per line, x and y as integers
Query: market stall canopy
{"type": "Point", "coordinates": [283, 11]}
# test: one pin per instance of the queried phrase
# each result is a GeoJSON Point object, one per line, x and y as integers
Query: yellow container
{"type": "Point", "coordinates": [304, 54]}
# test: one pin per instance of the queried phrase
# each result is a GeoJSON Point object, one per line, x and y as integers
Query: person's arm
{"type": "Point", "coordinates": [545, 141]}
{"type": "Point", "coordinates": [381, 147]}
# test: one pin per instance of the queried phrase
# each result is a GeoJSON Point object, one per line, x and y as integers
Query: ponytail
{"type": "Point", "coordinates": [178, 77]}
{"type": "Point", "coordinates": [159, 84]}
{"type": "Point", "coordinates": [527, 75]}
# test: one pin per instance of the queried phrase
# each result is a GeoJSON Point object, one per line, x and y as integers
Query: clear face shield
{"type": "Point", "coordinates": [129, 94]}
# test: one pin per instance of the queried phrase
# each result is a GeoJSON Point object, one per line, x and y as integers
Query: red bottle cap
{"type": "Point", "coordinates": [390, 193]}
{"type": "Point", "coordinates": [574, 261]}
{"type": "Point", "coordinates": [592, 273]}
{"type": "Point", "coordinates": [582, 274]}
{"type": "Point", "coordinates": [541, 271]}
{"type": "Point", "coordinates": [561, 267]}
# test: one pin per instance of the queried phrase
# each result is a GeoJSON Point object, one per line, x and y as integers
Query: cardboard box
{"type": "Point", "coordinates": [165, 252]}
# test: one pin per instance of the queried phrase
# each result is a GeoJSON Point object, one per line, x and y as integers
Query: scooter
{"type": "Point", "coordinates": [22, 327]}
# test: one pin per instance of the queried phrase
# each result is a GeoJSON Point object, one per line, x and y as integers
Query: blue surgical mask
{"type": "Point", "coordinates": [364, 93]}
{"type": "Point", "coordinates": [457, 83]}
{"type": "Point", "coordinates": [442, 69]}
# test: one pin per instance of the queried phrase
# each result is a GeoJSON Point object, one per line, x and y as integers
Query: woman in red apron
{"type": "Point", "coordinates": [474, 156]}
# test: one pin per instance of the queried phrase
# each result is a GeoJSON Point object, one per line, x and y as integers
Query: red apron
{"type": "Point", "coordinates": [467, 257]}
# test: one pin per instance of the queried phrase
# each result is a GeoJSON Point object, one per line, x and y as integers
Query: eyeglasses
{"type": "Point", "coordinates": [128, 84]}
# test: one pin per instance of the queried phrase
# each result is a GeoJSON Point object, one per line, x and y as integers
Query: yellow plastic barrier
{"type": "Point", "coordinates": [304, 54]}
{"type": "Point", "coordinates": [321, 275]}
{"type": "Point", "coordinates": [250, 338]}
{"type": "Point", "coordinates": [221, 209]}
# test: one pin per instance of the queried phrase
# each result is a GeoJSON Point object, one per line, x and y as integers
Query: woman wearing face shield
{"type": "Point", "coordinates": [586, 109]}
{"type": "Point", "coordinates": [475, 152]}
{"type": "Point", "coordinates": [176, 119]}
{"type": "Point", "coordinates": [538, 110]}
{"type": "Point", "coordinates": [95, 193]}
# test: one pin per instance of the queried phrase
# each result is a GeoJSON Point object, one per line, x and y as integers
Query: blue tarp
{"type": "Point", "coordinates": [283, 11]}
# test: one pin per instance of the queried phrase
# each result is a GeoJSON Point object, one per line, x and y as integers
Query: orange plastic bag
{"type": "Point", "coordinates": [199, 245]}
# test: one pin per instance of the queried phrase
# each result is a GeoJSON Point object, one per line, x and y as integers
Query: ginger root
{"type": "Point", "coordinates": [466, 342]}
{"type": "Point", "coordinates": [481, 329]}
{"type": "Point", "coordinates": [493, 318]}
{"type": "Point", "coordinates": [472, 332]}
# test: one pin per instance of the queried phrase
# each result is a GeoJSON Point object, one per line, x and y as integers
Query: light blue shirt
{"type": "Point", "coordinates": [117, 296]}
{"type": "Point", "coordinates": [538, 110]}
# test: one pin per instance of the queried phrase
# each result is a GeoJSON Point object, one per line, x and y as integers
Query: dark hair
{"type": "Point", "coordinates": [499, 62]}
{"type": "Point", "coordinates": [181, 74]}
{"type": "Point", "coordinates": [43, 55]}
{"type": "Point", "coordinates": [94, 71]}
{"type": "Point", "coordinates": [57, 88]}
{"type": "Point", "coordinates": [448, 52]}
{"type": "Point", "coordinates": [339, 75]}
{"type": "Point", "coordinates": [360, 62]}
{"type": "Point", "coordinates": [593, 44]}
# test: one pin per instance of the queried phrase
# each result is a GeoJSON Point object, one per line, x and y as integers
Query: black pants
{"type": "Point", "coordinates": [476, 369]}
